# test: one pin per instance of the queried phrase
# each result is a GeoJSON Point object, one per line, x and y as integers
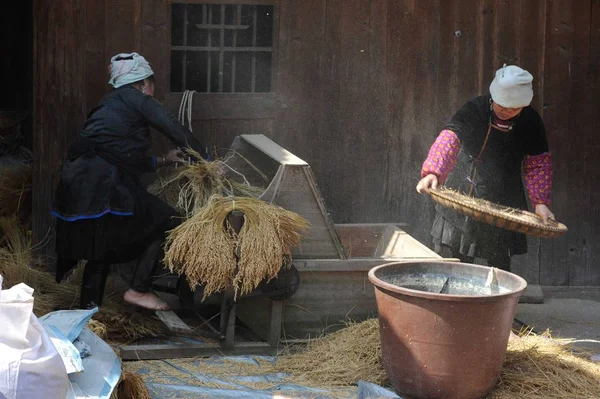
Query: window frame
{"type": "Point", "coordinates": [274, 47]}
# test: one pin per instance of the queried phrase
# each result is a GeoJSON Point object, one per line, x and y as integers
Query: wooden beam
{"type": "Point", "coordinates": [275, 325]}
{"type": "Point", "coordinates": [173, 322]}
{"type": "Point", "coordinates": [208, 106]}
{"type": "Point", "coordinates": [355, 264]}
{"type": "Point", "coordinates": [173, 351]}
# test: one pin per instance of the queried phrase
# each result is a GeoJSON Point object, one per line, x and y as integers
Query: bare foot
{"type": "Point", "coordinates": [145, 300]}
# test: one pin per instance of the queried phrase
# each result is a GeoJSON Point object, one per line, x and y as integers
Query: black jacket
{"type": "Point", "coordinates": [100, 170]}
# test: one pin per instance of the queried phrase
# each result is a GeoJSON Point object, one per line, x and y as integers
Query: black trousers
{"type": "Point", "coordinates": [500, 260]}
{"type": "Point", "coordinates": [96, 272]}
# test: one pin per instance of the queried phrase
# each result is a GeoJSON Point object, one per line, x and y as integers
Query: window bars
{"type": "Point", "coordinates": [219, 48]}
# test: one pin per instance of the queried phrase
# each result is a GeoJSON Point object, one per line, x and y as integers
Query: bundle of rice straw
{"type": "Point", "coordinates": [188, 188]}
{"type": "Point", "coordinates": [130, 386]}
{"type": "Point", "coordinates": [536, 366]}
{"type": "Point", "coordinates": [204, 248]}
{"type": "Point", "coordinates": [15, 188]}
{"type": "Point", "coordinates": [16, 266]}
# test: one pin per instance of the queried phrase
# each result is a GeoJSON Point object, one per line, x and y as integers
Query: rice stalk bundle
{"type": "Point", "coordinates": [204, 247]}
{"type": "Point", "coordinates": [188, 188]}
{"type": "Point", "coordinates": [130, 386]}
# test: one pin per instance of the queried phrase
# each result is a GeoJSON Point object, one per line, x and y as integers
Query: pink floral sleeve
{"type": "Point", "coordinates": [538, 177]}
{"type": "Point", "coordinates": [443, 156]}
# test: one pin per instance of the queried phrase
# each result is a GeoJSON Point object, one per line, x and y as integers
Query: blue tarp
{"type": "Point", "coordinates": [209, 385]}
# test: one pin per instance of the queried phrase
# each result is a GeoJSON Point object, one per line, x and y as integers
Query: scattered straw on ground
{"type": "Point", "coordinates": [204, 249]}
{"type": "Point", "coordinates": [16, 266]}
{"type": "Point", "coordinates": [338, 359]}
{"type": "Point", "coordinates": [536, 366]}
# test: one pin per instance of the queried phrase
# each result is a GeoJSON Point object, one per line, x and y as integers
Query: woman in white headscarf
{"type": "Point", "coordinates": [103, 213]}
{"type": "Point", "coordinates": [483, 151]}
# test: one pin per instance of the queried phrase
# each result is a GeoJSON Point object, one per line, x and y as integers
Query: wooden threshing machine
{"type": "Point", "coordinates": [332, 263]}
{"type": "Point", "coordinates": [332, 260]}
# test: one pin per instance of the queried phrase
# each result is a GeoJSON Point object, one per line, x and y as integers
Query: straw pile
{"type": "Point", "coordinates": [204, 247]}
{"type": "Point", "coordinates": [16, 266]}
{"type": "Point", "coordinates": [188, 188]}
{"type": "Point", "coordinates": [339, 359]}
{"type": "Point", "coordinates": [15, 188]}
{"type": "Point", "coordinates": [536, 366]}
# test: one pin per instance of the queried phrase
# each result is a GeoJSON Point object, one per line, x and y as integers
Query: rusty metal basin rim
{"type": "Point", "coordinates": [516, 291]}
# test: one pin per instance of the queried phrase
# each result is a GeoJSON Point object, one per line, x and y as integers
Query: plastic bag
{"type": "Point", "coordinates": [30, 366]}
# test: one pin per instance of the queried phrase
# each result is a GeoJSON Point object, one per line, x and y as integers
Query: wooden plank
{"type": "Point", "coordinates": [95, 56]}
{"type": "Point", "coordinates": [359, 264]}
{"type": "Point", "coordinates": [230, 106]}
{"type": "Point", "coordinates": [124, 33]}
{"type": "Point", "coordinates": [558, 79]}
{"type": "Point", "coordinates": [276, 320]}
{"type": "Point", "coordinates": [273, 150]}
{"type": "Point", "coordinates": [172, 351]}
{"type": "Point", "coordinates": [173, 322]}
{"type": "Point", "coordinates": [156, 42]}
{"type": "Point", "coordinates": [59, 65]}
{"type": "Point", "coordinates": [533, 294]}
{"type": "Point", "coordinates": [328, 221]}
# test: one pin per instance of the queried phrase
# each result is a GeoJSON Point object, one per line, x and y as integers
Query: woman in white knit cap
{"type": "Point", "coordinates": [104, 215]}
{"type": "Point", "coordinates": [483, 151]}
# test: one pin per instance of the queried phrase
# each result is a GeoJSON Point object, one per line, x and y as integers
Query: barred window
{"type": "Point", "coordinates": [221, 48]}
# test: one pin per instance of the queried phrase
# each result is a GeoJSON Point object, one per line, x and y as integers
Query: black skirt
{"type": "Point", "coordinates": [112, 238]}
{"type": "Point", "coordinates": [475, 239]}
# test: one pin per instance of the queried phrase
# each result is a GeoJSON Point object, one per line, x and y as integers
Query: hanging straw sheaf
{"type": "Point", "coordinates": [188, 188]}
{"type": "Point", "coordinates": [204, 249]}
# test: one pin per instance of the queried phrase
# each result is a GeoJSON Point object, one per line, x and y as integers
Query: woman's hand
{"type": "Point", "coordinates": [174, 156]}
{"type": "Point", "coordinates": [429, 181]}
{"type": "Point", "coordinates": [544, 212]}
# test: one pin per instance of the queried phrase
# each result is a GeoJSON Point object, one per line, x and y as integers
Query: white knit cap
{"type": "Point", "coordinates": [132, 68]}
{"type": "Point", "coordinates": [512, 87]}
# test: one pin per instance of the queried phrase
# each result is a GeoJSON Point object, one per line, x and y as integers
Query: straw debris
{"type": "Point", "coordinates": [536, 366]}
{"type": "Point", "coordinates": [204, 247]}
{"type": "Point", "coordinates": [341, 358]}
{"type": "Point", "coordinates": [17, 266]}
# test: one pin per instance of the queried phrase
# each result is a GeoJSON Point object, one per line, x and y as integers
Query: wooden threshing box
{"type": "Point", "coordinates": [333, 260]}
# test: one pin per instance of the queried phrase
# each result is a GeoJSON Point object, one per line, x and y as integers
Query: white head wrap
{"type": "Point", "coordinates": [512, 88]}
{"type": "Point", "coordinates": [126, 71]}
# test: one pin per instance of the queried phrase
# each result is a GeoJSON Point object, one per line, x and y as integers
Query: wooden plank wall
{"type": "Point", "coordinates": [363, 87]}
{"type": "Point", "coordinates": [372, 82]}
{"type": "Point", "coordinates": [58, 102]}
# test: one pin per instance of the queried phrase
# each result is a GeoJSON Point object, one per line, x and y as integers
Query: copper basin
{"type": "Point", "coordinates": [444, 345]}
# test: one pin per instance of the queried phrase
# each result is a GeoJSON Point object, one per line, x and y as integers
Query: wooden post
{"type": "Point", "coordinates": [58, 102]}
